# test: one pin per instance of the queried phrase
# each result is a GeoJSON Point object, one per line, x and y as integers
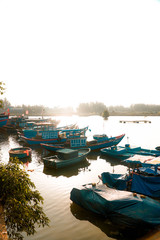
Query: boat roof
{"type": "Point", "coordinates": [154, 162]}
{"type": "Point", "coordinates": [74, 130]}
{"type": "Point", "coordinates": [44, 124]}
{"type": "Point", "coordinates": [144, 160]}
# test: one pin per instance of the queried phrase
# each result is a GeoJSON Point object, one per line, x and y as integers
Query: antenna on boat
{"type": "Point", "coordinates": [42, 112]}
{"type": "Point", "coordinates": [128, 140]}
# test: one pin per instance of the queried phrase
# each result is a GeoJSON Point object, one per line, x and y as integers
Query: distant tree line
{"type": "Point", "coordinates": [135, 109]}
{"type": "Point", "coordinates": [92, 108]}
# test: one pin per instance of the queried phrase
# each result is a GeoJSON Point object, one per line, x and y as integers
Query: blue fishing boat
{"type": "Point", "coordinates": [143, 177]}
{"type": "Point", "coordinates": [20, 152]}
{"type": "Point", "coordinates": [56, 136]}
{"type": "Point", "coordinates": [36, 129]}
{"type": "Point", "coordinates": [22, 121]}
{"type": "Point", "coordinates": [121, 207]}
{"type": "Point", "coordinates": [76, 141]}
{"type": "Point", "coordinates": [127, 151]}
{"type": "Point", "coordinates": [117, 152]}
{"type": "Point", "coordinates": [66, 158]}
{"type": "Point", "coordinates": [4, 117]}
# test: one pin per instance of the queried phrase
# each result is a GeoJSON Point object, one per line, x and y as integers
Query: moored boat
{"type": "Point", "coordinates": [116, 152]}
{"type": "Point", "coordinates": [37, 129]}
{"type": "Point", "coordinates": [81, 142]}
{"type": "Point", "coordinates": [56, 136]}
{"type": "Point", "coordinates": [121, 207]}
{"type": "Point", "coordinates": [21, 152]}
{"type": "Point", "coordinates": [124, 152]}
{"type": "Point", "coordinates": [143, 177]}
{"type": "Point", "coordinates": [65, 158]}
{"type": "Point", "coordinates": [4, 117]}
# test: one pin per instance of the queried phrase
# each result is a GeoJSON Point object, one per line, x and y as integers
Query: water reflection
{"type": "Point", "coordinates": [93, 155]}
{"type": "Point", "coordinates": [68, 172]}
{"type": "Point", "coordinates": [113, 161]}
{"type": "Point", "coordinates": [106, 226]}
{"type": "Point", "coordinates": [56, 190]}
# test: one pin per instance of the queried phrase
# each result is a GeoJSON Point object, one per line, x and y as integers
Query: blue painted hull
{"type": "Point", "coordinates": [126, 152]}
{"type": "Point", "coordinates": [34, 141]}
{"type": "Point", "coordinates": [52, 147]}
{"type": "Point", "coordinates": [93, 146]}
{"type": "Point", "coordinates": [107, 143]}
{"type": "Point", "coordinates": [4, 120]}
{"type": "Point", "coordinates": [54, 163]}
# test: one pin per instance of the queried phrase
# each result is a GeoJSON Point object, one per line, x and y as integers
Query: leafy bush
{"type": "Point", "coordinates": [22, 203]}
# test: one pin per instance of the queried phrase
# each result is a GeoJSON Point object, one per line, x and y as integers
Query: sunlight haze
{"type": "Point", "coordinates": [62, 53]}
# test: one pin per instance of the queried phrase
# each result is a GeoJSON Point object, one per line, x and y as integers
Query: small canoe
{"type": "Point", "coordinates": [21, 152]}
{"type": "Point", "coordinates": [65, 158]}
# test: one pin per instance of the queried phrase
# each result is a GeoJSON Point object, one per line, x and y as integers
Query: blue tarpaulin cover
{"type": "Point", "coordinates": [143, 184]}
{"type": "Point", "coordinates": [118, 181]}
{"type": "Point", "coordinates": [147, 185]}
{"type": "Point", "coordinates": [121, 206]}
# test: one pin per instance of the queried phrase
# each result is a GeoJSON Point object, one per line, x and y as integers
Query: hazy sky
{"type": "Point", "coordinates": [65, 52]}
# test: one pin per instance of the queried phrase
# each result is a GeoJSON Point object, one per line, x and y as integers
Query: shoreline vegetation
{"type": "Point", "coordinates": [118, 114]}
{"type": "Point", "coordinates": [84, 109]}
{"type": "Point", "coordinates": [21, 205]}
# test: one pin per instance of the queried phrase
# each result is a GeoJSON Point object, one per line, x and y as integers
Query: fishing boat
{"type": "Point", "coordinates": [117, 152]}
{"type": "Point", "coordinates": [56, 136]}
{"type": "Point", "coordinates": [65, 158]}
{"type": "Point", "coordinates": [77, 140]}
{"type": "Point", "coordinates": [21, 152]}
{"type": "Point", "coordinates": [4, 117]}
{"type": "Point", "coordinates": [143, 177]}
{"type": "Point", "coordinates": [36, 129]}
{"type": "Point", "coordinates": [121, 207]}
{"type": "Point", "coordinates": [124, 152]}
{"type": "Point", "coordinates": [22, 121]}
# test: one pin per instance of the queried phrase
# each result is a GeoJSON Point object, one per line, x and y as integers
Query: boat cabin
{"type": "Point", "coordinates": [75, 137]}
{"type": "Point", "coordinates": [67, 154]}
{"type": "Point", "coordinates": [45, 130]}
{"type": "Point", "coordinates": [100, 137]}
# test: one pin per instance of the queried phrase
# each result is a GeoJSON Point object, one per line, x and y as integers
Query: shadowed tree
{"type": "Point", "coordinates": [2, 89]}
{"type": "Point", "coordinates": [22, 203]}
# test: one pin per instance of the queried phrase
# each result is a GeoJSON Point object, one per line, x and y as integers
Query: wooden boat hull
{"type": "Point", "coordinates": [34, 141]}
{"type": "Point", "coordinates": [93, 146]}
{"type": "Point", "coordinates": [53, 163]}
{"type": "Point", "coordinates": [4, 120]}
{"type": "Point", "coordinates": [125, 152]}
{"type": "Point", "coordinates": [107, 143]}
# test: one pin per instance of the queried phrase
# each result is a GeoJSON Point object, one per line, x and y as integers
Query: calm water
{"type": "Point", "coordinates": [67, 221]}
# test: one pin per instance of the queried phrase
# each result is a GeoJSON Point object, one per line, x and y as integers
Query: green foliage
{"type": "Point", "coordinates": [2, 89]}
{"type": "Point", "coordinates": [22, 203]}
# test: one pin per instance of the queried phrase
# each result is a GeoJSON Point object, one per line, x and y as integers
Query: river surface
{"type": "Point", "coordinates": [68, 221]}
